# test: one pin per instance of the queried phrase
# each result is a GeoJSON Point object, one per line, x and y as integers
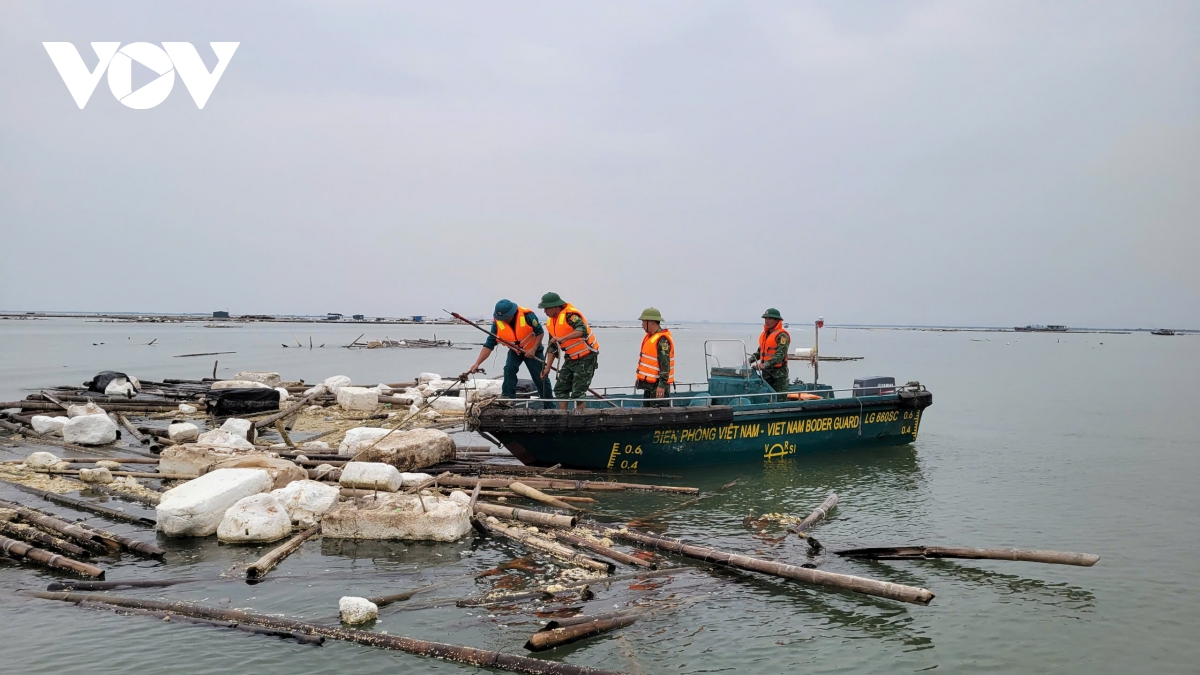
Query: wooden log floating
{"type": "Point", "coordinates": [933, 552]}
{"type": "Point", "coordinates": [168, 617]}
{"type": "Point", "coordinates": [601, 549]}
{"type": "Point", "coordinates": [563, 622]}
{"type": "Point", "coordinates": [847, 582]}
{"type": "Point", "coordinates": [529, 540]}
{"type": "Point", "coordinates": [20, 549]}
{"type": "Point", "coordinates": [111, 514]}
{"type": "Point", "coordinates": [538, 496]}
{"type": "Point", "coordinates": [259, 568]}
{"type": "Point", "coordinates": [468, 655]}
{"type": "Point", "coordinates": [84, 537]}
{"type": "Point", "coordinates": [33, 535]}
{"type": "Point", "coordinates": [549, 639]}
{"type": "Point", "coordinates": [525, 515]}
{"type": "Point", "coordinates": [819, 514]}
{"type": "Point", "coordinates": [128, 544]}
{"type": "Point", "coordinates": [137, 435]}
{"type": "Point", "coordinates": [72, 585]}
{"type": "Point", "coordinates": [290, 410]}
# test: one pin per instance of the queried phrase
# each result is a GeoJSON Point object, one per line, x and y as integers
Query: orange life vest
{"type": "Point", "coordinates": [521, 334]}
{"type": "Point", "coordinates": [647, 370]}
{"type": "Point", "coordinates": [576, 347]}
{"type": "Point", "coordinates": [768, 343]}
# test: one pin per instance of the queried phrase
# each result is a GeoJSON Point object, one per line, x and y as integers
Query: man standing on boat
{"type": "Point", "coordinates": [520, 329]}
{"type": "Point", "coordinates": [656, 364]}
{"type": "Point", "coordinates": [771, 357]}
{"type": "Point", "coordinates": [570, 334]}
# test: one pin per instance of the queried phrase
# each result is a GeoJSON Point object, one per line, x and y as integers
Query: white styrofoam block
{"type": "Point", "coordinates": [447, 404]}
{"type": "Point", "coordinates": [239, 384]}
{"type": "Point", "coordinates": [41, 460]}
{"type": "Point", "coordinates": [398, 516]}
{"type": "Point", "coordinates": [257, 519]}
{"type": "Point", "coordinates": [195, 509]}
{"type": "Point", "coordinates": [119, 386]}
{"type": "Point", "coordinates": [314, 445]}
{"type": "Point", "coordinates": [371, 476]}
{"type": "Point", "coordinates": [307, 500]}
{"type": "Point", "coordinates": [97, 475]}
{"type": "Point", "coordinates": [237, 427]}
{"type": "Point", "coordinates": [269, 379]}
{"type": "Point", "coordinates": [413, 479]}
{"type": "Point", "coordinates": [79, 410]}
{"type": "Point", "coordinates": [336, 382]}
{"type": "Point", "coordinates": [187, 409]}
{"type": "Point", "coordinates": [283, 394]}
{"type": "Point", "coordinates": [90, 430]}
{"type": "Point", "coordinates": [357, 610]}
{"type": "Point", "coordinates": [223, 438]}
{"type": "Point", "coordinates": [357, 398]}
{"type": "Point", "coordinates": [44, 424]}
{"type": "Point", "coordinates": [182, 432]}
{"type": "Point", "coordinates": [425, 378]}
{"type": "Point", "coordinates": [460, 497]}
{"type": "Point", "coordinates": [357, 435]}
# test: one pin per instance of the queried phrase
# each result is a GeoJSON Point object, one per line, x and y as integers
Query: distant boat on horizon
{"type": "Point", "coordinates": [1163, 331]}
{"type": "Point", "coordinates": [1038, 328]}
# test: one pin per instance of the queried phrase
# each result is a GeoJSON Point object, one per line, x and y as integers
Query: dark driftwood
{"type": "Point", "coordinates": [33, 535]}
{"type": "Point", "coordinates": [259, 568]}
{"type": "Point", "coordinates": [133, 545]}
{"type": "Point", "coordinates": [549, 639]}
{"type": "Point", "coordinates": [847, 582]}
{"type": "Point", "coordinates": [475, 657]}
{"type": "Point", "coordinates": [525, 515]}
{"type": "Point", "coordinates": [930, 552]}
{"type": "Point", "coordinates": [315, 640]}
{"type": "Point", "coordinates": [587, 618]}
{"type": "Point", "coordinates": [109, 585]}
{"type": "Point", "coordinates": [84, 537]}
{"type": "Point", "coordinates": [111, 514]}
{"type": "Point", "coordinates": [137, 435]}
{"type": "Point", "coordinates": [19, 549]}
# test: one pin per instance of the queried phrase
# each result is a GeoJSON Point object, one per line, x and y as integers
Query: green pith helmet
{"type": "Point", "coordinates": [551, 300]}
{"type": "Point", "coordinates": [651, 314]}
{"type": "Point", "coordinates": [772, 313]}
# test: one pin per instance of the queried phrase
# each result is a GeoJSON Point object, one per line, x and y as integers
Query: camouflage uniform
{"type": "Point", "coordinates": [664, 369]}
{"type": "Point", "coordinates": [775, 371]}
{"type": "Point", "coordinates": [575, 375]}
{"type": "Point", "coordinates": [512, 364]}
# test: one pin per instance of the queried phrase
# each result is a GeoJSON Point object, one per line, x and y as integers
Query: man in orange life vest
{"type": "Point", "coordinates": [570, 334]}
{"type": "Point", "coordinates": [771, 357]}
{"type": "Point", "coordinates": [656, 363]}
{"type": "Point", "coordinates": [520, 327]}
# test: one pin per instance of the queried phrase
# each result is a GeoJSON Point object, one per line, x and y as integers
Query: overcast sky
{"type": "Point", "coordinates": [983, 163]}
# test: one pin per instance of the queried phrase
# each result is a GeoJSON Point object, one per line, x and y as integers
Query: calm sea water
{"type": "Point", "coordinates": [1069, 442]}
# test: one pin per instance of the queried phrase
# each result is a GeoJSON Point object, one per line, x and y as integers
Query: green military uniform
{"type": "Point", "coordinates": [775, 369]}
{"type": "Point", "coordinates": [575, 375]}
{"type": "Point", "coordinates": [664, 374]}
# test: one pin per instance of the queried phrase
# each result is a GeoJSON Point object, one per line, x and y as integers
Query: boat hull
{"type": "Point", "coordinates": [751, 436]}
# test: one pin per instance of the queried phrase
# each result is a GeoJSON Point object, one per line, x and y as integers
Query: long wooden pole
{"type": "Point", "coordinates": [468, 655]}
{"type": "Point", "coordinates": [259, 568]}
{"type": "Point", "coordinates": [538, 496]}
{"type": "Point", "coordinates": [930, 552]}
{"type": "Point", "coordinates": [33, 535]}
{"type": "Point", "coordinates": [819, 514]}
{"type": "Point", "coordinates": [601, 549]}
{"type": "Point", "coordinates": [111, 514]}
{"type": "Point", "coordinates": [557, 550]}
{"type": "Point", "coordinates": [883, 589]}
{"type": "Point", "coordinates": [20, 549]}
{"type": "Point", "coordinates": [86, 538]}
{"type": "Point", "coordinates": [525, 515]}
{"type": "Point", "coordinates": [549, 639]}
{"type": "Point", "coordinates": [293, 408]}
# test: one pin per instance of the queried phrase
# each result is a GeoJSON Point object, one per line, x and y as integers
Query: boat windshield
{"type": "Point", "coordinates": [726, 358]}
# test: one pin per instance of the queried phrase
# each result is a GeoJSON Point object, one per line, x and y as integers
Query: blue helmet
{"type": "Point", "coordinates": [505, 310]}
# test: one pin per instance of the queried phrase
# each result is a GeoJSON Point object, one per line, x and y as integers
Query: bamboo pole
{"type": "Point", "coordinates": [606, 551]}
{"type": "Point", "coordinates": [86, 538]}
{"type": "Point", "coordinates": [294, 408]}
{"type": "Point", "coordinates": [133, 545]}
{"type": "Point", "coordinates": [44, 558]}
{"type": "Point", "coordinates": [42, 438]}
{"type": "Point", "coordinates": [468, 655]}
{"type": "Point", "coordinates": [135, 474]}
{"type": "Point", "coordinates": [33, 535]}
{"type": "Point", "coordinates": [137, 435]}
{"type": "Point", "coordinates": [525, 515]}
{"type": "Point", "coordinates": [72, 585]}
{"type": "Point", "coordinates": [549, 639]}
{"type": "Point", "coordinates": [847, 582]}
{"type": "Point", "coordinates": [111, 514]}
{"type": "Point", "coordinates": [315, 640]}
{"type": "Point", "coordinates": [570, 620]}
{"type": "Point", "coordinates": [931, 552]}
{"type": "Point", "coordinates": [287, 440]}
{"type": "Point", "coordinates": [538, 496]}
{"type": "Point", "coordinates": [259, 568]}
{"type": "Point", "coordinates": [819, 514]}
{"type": "Point", "coordinates": [557, 550]}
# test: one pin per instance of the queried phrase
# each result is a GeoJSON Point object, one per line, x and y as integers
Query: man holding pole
{"type": "Point", "coordinates": [771, 357]}
{"type": "Point", "coordinates": [519, 330]}
{"type": "Point", "coordinates": [569, 333]}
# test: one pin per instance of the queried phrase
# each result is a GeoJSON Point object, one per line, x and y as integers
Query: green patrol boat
{"type": "Point", "coordinates": [733, 418]}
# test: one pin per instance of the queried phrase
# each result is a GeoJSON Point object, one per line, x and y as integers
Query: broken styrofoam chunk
{"type": "Point", "coordinates": [356, 436]}
{"type": "Point", "coordinates": [449, 405]}
{"type": "Point", "coordinates": [307, 500]}
{"type": "Point", "coordinates": [119, 386]}
{"type": "Point", "coordinates": [336, 382]}
{"type": "Point", "coordinates": [90, 430]}
{"type": "Point", "coordinates": [460, 497]}
{"type": "Point", "coordinates": [97, 475]}
{"type": "Point", "coordinates": [370, 476]}
{"type": "Point", "coordinates": [238, 427]}
{"type": "Point", "coordinates": [191, 459]}
{"type": "Point", "coordinates": [282, 471]}
{"type": "Point", "coordinates": [357, 398]}
{"type": "Point", "coordinates": [239, 384]}
{"type": "Point", "coordinates": [42, 460]}
{"type": "Point", "coordinates": [283, 394]}
{"type": "Point", "coordinates": [357, 610]}
{"type": "Point", "coordinates": [108, 464]}
{"type": "Point", "coordinates": [324, 470]}
{"type": "Point", "coordinates": [182, 432]}
{"type": "Point", "coordinates": [413, 479]}
{"type": "Point", "coordinates": [425, 378]}
{"type": "Point", "coordinates": [314, 445]}
{"type": "Point", "coordinates": [411, 449]}
{"type": "Point", "coordinates": [257, 519]}
{"type": "Point", "coordinates": [187, 409]}
{"type": "Point", "coordinates": [223, 438]}
{"type": "Point", "coordinates": [269, 379]}
{"type": "Point", "coordinates": [196, 508]}
{"type": "Point", "coordinates": [397, 516]}
{"type": "Point", "coordinates": [477, 390]}
{"type": "Point", "coordinates": [80, 410]}
{"type": "Point", "coordinates": [46, 425]}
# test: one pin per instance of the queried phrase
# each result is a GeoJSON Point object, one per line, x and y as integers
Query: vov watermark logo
{"type": "Point", "coordinates": [167, 60]}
